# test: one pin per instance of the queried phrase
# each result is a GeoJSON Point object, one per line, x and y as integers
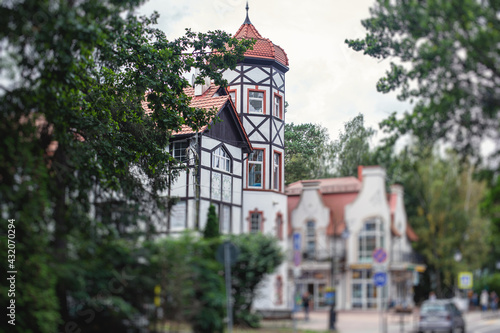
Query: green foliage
{"type": "Point", "coordinates": [490, 282]}
{"type": "Point", "coordinates": [446, 58]}
{"type": "Point", "coordinates": [446, 63]}
{"type": "Point", "coordinates": [491, 207]}
{"type": "Point", "coordinates": [259, 255]}
{"type": "Point", "coordinates": [192, 288]}
{"type": "Point", "coordinates": [306, 152]}
{"type": "Point", "coordinates": [443, 203]}
{"type": "Point", "coordinates": [352, 148]}
{"type": "Point", "coordinates": [75, 131]}
{"type": "Point", "coordinates": [212, 226]}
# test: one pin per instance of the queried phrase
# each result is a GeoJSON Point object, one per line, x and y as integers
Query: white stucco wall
{"type": "Point", "coordinates": [371, 202]}
{"type": "Point", "coordinates": [311, 208]}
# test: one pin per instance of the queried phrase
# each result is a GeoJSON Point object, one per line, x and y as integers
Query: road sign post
{"type": "Point", "coordinates": [297, 258]}
{"type": "Point", "coordinates": [465, 280]}
{"type": "Point", "coordinates": [380, 276]}
{"type": "Point", "coordinates": [380, 279]}
{"type": "Point", "coordinates": [227, 253]}
{"type": "Point", "coordinates": [379, 255]}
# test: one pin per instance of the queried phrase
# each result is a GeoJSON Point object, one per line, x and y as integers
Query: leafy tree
{"type": "Point", "coordinates": [76, 132]}
{"type": "Point", "coordinates": [212, 226]}
{"type": "Point", "coordinates": [446, 217]}
{"type": "Point", "coordinates": [352, 147]}
{"type": "Point", "coordinates": [491, 207]}
{"type": "Point", "coordinates": [446, 58]}
{"type": "Point", "coordinates": [259, 255]}
{"type": "Point", "coordinates": [306, 152]}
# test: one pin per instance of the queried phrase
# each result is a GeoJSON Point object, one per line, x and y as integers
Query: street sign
{"type": "Point", "coordinates": [379, 255]}
{"type": "Point", "coordinates": [296, 241]}
{"type": "Point", "coordinates": [380, 279]}
{"type": "Point", "coordinates": [232, 251]}
{"type": "Point", "coordinates": [297, 255]}
{"type": "Point", "coordinates": [157, 298]}
{"type": "Point", "coordinates": [465, 280]}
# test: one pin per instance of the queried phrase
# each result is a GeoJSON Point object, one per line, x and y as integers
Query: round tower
{"type": "Point", "coordinates": [257, 88]}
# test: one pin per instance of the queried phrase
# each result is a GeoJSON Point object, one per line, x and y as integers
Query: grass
{"type": "Point", "coordinates": [275, 326]}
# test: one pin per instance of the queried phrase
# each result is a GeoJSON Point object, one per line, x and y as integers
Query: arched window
{"type": "Point", "coordinates": [370, 238]}
{"type": "Point", "coordinates": [221, 160]}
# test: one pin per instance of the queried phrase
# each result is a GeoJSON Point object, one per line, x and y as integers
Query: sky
{"type": "Point", "coordinates": [328, 83]}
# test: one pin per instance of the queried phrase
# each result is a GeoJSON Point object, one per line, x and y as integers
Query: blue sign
{"type": "Point", "coordinates": [297, 256]}
{"type": "Point", "coordinates": [330, 297]}
{"type": "Point", "coordinates": [379, 255]}
{"type": "Point", "coordinates": [296, 241]}
{"type": "Point", "coordinates": [380, 279]}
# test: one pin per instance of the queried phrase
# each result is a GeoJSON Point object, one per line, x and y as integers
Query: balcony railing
{"type": "Point", "coordinates": [320, 255]}
{"type": "Point", "coordinates": [411, 257]}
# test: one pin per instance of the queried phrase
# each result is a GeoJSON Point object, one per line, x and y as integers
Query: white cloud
{"type": "Point", "coordinates": [327, 83]}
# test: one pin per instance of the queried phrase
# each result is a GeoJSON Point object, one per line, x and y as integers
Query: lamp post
{"type": "Point", "coordinates": [333, 313]}
{"type": "Point", "coordinates": [333, 281]}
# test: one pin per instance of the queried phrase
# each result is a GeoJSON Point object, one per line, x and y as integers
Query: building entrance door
{"type": "Point", "coordinates": [317, 290]}
{"type": "Point", "coordinates": [365, 295]}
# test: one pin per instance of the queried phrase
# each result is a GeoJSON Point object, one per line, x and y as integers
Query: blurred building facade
{"type": "Point", "coordinates": [341, 222]}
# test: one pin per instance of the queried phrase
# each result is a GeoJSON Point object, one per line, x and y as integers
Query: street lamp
{"type": "Point", "coordinates": [333, 281]}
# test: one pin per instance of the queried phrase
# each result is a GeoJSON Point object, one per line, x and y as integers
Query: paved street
{"type": "Point", "coordinates": [369, 322]}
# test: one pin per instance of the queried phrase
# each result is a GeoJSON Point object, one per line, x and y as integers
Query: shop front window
{"type": "Point", "coordinates": [364, 293]}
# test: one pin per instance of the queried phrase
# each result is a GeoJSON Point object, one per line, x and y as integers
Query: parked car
{"type": "Point", "coordinates": [440, 315]}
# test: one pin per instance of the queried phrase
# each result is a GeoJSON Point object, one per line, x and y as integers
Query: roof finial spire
{"type": "Point", "coordinates": [247, 20]}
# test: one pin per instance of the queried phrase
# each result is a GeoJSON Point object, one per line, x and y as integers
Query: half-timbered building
{"type": "Point", "coordinates": [214, 157]}
{"type": "Point", "coordinates": [257, 87]}
{"type": "Point", "coordinates": [237, 164]}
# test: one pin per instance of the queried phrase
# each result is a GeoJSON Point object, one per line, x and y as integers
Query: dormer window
{"type": "Point", "coordinates": [221, 160]}
{"type": "Point", "coordinates": [255, 101]}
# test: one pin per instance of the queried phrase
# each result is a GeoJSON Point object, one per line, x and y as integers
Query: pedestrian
{"type": "Point", "coordinates": [494, 300]}
{"type": "Point", "coordinates": [474, 301]}
{"type": "Point", "coordinates": [483, 300]}
{"type": "Point", "coordinates": [432, 296]}
{"type": "Point", "coordinates": [306, 299]}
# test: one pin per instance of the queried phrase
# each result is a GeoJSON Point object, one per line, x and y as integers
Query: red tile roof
{"type": "Point", "coordinates": [205, 101]}
{"type": "Point", "coordinates": [336, 194]}
{"type": "Point", "coordinates": [328, 185]}
{"type": "Point", "coordinates": [263, 47]}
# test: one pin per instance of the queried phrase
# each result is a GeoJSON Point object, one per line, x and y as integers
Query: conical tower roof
{"type": "Point", "coordinates": [263, 47]}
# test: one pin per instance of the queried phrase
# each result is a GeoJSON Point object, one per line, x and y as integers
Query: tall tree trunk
{"type": "Point", "coordinates": [439, 287]}
{"type": "Point", "coordinates": [61, 228]}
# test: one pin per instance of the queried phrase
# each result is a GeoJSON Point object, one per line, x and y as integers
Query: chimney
{"type": "Point", "coordinates": [360, 173]}
{"type": "Point", "coordinates": [200, 89]}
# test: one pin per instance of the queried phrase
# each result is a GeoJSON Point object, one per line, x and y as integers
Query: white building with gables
{"type": "Point", "coordinates": [341, 223]}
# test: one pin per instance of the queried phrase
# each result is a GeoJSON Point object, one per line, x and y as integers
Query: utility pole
{"type": "Point", "coordinates": [333, 313]}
